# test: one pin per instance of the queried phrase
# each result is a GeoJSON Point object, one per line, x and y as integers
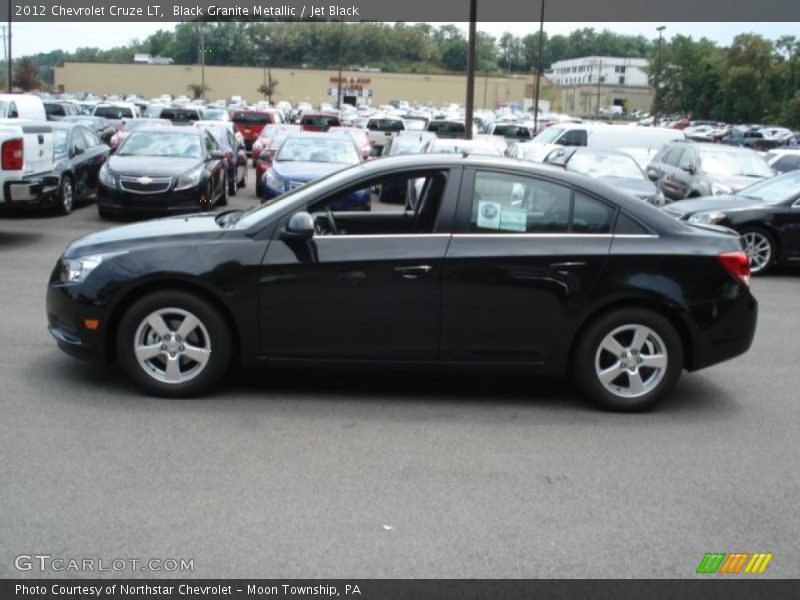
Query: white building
{"type": "Point", "coordinates": [603, 70]}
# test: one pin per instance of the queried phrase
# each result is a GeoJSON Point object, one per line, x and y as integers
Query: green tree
{"type": "Point", "coordinates": [26, 74]}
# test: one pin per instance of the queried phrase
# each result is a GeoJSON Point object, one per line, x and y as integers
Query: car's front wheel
{"type": "Point", "coordinates": [66, 195]}
{"type": "Point", "coordinates": [627, 360]}
{"type": "Point", "coordinates": [174, 344]}
{"type": "Point", "coordinates": [760, 249]}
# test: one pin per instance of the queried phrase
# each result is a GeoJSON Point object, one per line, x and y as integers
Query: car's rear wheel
{"type": "Point", "coordinates": [243, 181]}
{"type": "Point", "coordinates": [760, 249]}
{"type": "Point", "coordinates": [223, 196]}
{"type": "Point", "coordinates": [174, 344]}
{"type": "Point", "coordinates": [628, 360]}
{"type": "Point", "coordinates": [66, 195]}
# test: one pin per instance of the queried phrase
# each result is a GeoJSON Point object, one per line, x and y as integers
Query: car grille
{"type": "Point", "coordinates": [152, 185]}
{"type": "Point", "coordinates": [295, 184]}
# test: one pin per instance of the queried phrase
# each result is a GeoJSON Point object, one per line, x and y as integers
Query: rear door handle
{"type": "Point", "coordinates": [568, 266]}
{"type": "Point", "coordinates": [413, 272]}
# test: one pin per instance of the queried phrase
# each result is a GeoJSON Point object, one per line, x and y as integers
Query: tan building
{"type": "Point", "coordinates": [585, 100]}
{"type": "Point", "coordinates": [294, 85]}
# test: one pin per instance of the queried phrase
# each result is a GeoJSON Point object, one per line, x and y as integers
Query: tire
{"type": "Point", "coordinates": [223, 197]}
{"type": "Point", "coordinates": [66, 195]}
{"type": "Point", "coordinates": [104, 214]}
{"type": "Point", "coordinates": [166, 365]}
{"type": "Point", "coordinates": [243, 182]}
{"type": "Point", "coordinates": [607, 348]}
{"type": "Point", "coordinates": [761, 249]}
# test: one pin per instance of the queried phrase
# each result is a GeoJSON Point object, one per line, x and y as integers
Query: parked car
{"type": "Point", "coordinates": [26, 162]}
{"type": "Point", "coordinates": [748, 138]}
{"type": "Point", "coordinates": [100, 126]}
{"type": "Point", "coordinates": [783, 161]}
{"type": "Point", "coordinates": [511, 132]}
{"type": "Point", "coordinates": [618, 295]}
{"type": "Point", "coordinates": [250, 123]}
{"type": "Point", "coordinates": [57, 110]}
{"type": "Point", "coordinates": [235, 157]}
{"type": "Point", "coordinates": [380, 129]}
{"type": "Point", "coordinates": [262, 142]}
{"type": "Point", "coordinates": [181, 115]}
{"type": "Point", "coordinates": [766, 215]}
{"type": "Point", "coordinates": [163, 170]}
{"type": "Point", "coordinates": [359, 136]}
{"type": "Point", "coordinates": [447, 128]}
{"type": "Point", "coordinates": [319, 121]}
{"type": "Point", "coordinates": [687, 169]}
{"type": "Point", "coordinates": [615, 168]}
{"type": "Point", "coordinates": [115, 113]}
{"type": "Point", "coordinates": [305, 157]}
{"type": "Point", "coordinates": [79, 156]}
{"type": "Point", "coordinates": [22, 106]}
{"type": "Point", "coordinates": [459, 146]}
{"type": "Point", "coordinates": [129, 125]}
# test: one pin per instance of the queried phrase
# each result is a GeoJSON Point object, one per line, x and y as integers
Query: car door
{"type": "Point", "coordinates": [525, 256]}
{"type": "Point", "coordinates": [94, 157]}
{"type": "Point", "coordinates": [78, 163]}
{"type": "Point", "coordinates": [669, 168]}
{"type": "Point", "coordinates": [358, 296]}
{"type": "Point", "coordinates": [683, 179]}
{"type": "Point", "coordinates": [214, 166]}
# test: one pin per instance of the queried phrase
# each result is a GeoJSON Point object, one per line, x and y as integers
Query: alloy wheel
{"type": "Point", "coordinates": [758, 249]}
{"type": "Point", "coordinates": [172, 345]}
{"type": "Point", "coordinates": [631, 361]}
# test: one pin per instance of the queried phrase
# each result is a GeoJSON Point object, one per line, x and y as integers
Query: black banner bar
{"type": "Point", "coordinates": [733, 588]}
{"type": "Point", "coordinates": [408, 10]}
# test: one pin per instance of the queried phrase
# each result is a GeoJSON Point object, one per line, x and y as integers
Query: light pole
{"type": "Point", "coordinates": [339, 81]}
{"type": "Point", "coordinates": [657, 78]}
{"type": "Point", "coordinates": [538, 72]}
{"type": "Point", "coordinates": [203, 61]}
{"type": "Point", "coordinates": [470, 107]}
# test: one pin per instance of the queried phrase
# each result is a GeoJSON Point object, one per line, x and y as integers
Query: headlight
{"type": "Point", "coordinates": [707, 218]}
{"type": "Point", "coordinates": [76, 270]}
{"type": "Point", "coordinates": [273, 182]}
{"type": "Point", "coordinates": [106, 177]}
{"type": "Point", "coordinates": [720, 188]}
{"type": "Point", "coordinates": [190, 179]}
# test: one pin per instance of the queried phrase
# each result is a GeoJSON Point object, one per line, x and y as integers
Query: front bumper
{"type": "Point", "coordinates": [121, 203]}
{"type": "Point", "coordinates": [66, 316]}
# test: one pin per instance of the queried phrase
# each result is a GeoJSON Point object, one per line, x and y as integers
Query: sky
{"type": "Point", "coordinates": [30, 38]}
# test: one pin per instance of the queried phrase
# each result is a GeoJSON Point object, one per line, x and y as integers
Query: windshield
{"type": "Point", "coordinates": [216, 115]}
{"type": "Point", "coordinates": [604, 165]}
{"type": "Point", "coordinates": [251, 118]}
{"type": "Point", "coordinates": [549, 135]}
{"type": "Point", "coordinates": [318, 150]}
{"type": "Point", "coordinates": [385, 125]}
{"type": "Point", "coordinates": [152, 143]}
{"type": "Point", "coordinates": [746, 164]}
{"type": "Point", "coordinates": [410, 145]}
{"type": "Point", "coordinates": [776, 189]}
{"type": "Point", "coordinates": [320, 121]}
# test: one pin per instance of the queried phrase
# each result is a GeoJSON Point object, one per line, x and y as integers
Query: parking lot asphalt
{"type": "Point", "coordinates": [386, 474]}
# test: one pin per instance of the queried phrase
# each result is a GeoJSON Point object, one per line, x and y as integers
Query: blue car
{"type": "Point", "coordinates": [306, 157]}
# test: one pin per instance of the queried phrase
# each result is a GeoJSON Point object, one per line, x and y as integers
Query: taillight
{"type": "Point", "coordinates": [737, 264]}
{"type": "Point", "coordinates": [12, 153]}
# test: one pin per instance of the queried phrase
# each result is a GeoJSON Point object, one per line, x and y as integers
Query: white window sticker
{"type": "Point", "coordinates": [514, 219]}
{"type": "Point", "coordinates": [489, 214]}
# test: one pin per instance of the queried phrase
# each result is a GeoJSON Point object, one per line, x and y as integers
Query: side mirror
{"type": "Point", "coordinates": [217, 155]}
{"type": "Point", "coordinates": [300, 227]}
{"type": "Point", "coordinates": [77, 151]}
{"type": "Point", "coordinates": [687, 166]}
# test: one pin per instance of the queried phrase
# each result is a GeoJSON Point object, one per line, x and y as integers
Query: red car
{"type": "Point", "coordinates": [268, 154]}
{"type": "Point", "coordinates": [268, 132]}
{"type": "Point", "coordinates": [250, 123]}
{"type": "Point", "coordinates": [318, 121]}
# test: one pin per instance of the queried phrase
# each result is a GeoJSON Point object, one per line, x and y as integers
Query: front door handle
{"type": "Point", "coordinates": [413, 272]}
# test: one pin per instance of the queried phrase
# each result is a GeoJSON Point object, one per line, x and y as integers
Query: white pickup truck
{"type": "Point", "coordinates": [26, 163]}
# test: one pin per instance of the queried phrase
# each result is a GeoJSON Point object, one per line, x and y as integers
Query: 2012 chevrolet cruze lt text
{"type": "Point", "coordinates": [500, 263]}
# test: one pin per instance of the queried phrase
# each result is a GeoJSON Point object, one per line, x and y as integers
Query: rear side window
{"type": "Point", "coordinates": [574, 137]}
{"type": "Point", "coordinates": [787, 163]}
{"type": "Point", "coordinates": [591, 216]}
{"type": "Point", "coordinates": [626, 225]}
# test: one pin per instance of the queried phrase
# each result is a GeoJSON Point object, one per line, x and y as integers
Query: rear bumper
{"type": "Point", "coordinates": [724, 330]}
{"type": "Point", "coordinates": [36, 191]}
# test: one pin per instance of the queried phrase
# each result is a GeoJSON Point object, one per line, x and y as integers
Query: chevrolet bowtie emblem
{"type": "Point", "coordinates": [144, 180]}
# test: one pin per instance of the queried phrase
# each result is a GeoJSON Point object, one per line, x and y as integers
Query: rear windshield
{"type": "Point", "coordinates": [179, 114]}
{"type": "Point", "coordinates": [320, 121]}
{"type": "Point", "coordinates": [515, 131]}
{"type": "Point", "coordinates": [446, 127]}
{"type": "Point", "coordinates": [251, 118]}
{"type": "Point", "coordinates": [113, 112]}
{"type": "Point", "coordinates": [54, 109]}
{"type": "Point", "coordinates": [385, 125]}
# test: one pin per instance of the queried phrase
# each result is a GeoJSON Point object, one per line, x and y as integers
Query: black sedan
{"type": "Point", "coordinates": [100, 126]}
{"type": "Point", "coordinates": [766, 214]}
{"type": "Point", "coordinates": [162, 170]}
{"type": "Point", "coordinates": [501, 263]}
{"type": "Point", "coordinates": [79, 156]}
